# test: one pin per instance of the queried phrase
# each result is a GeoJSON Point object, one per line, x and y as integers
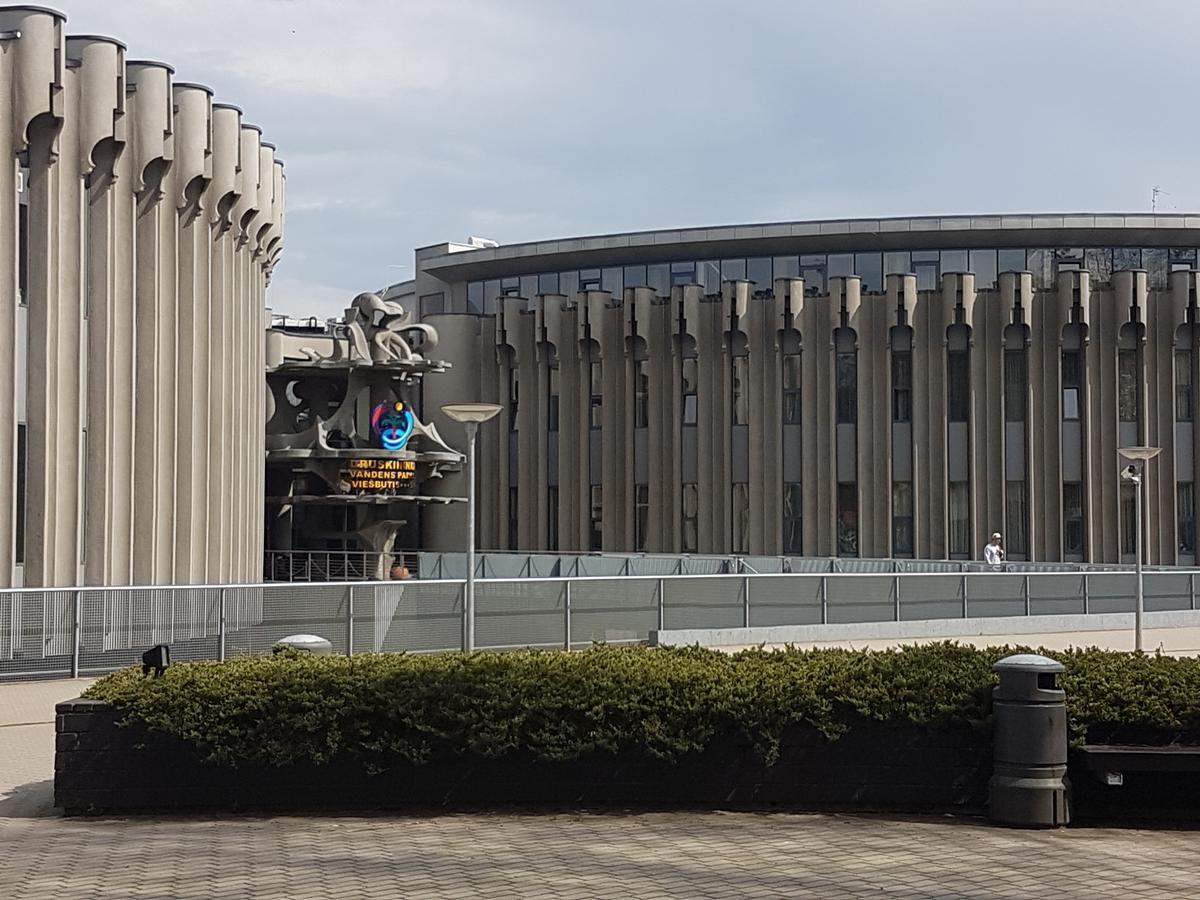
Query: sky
{"type": "Point", "coordinates": [403, 124]}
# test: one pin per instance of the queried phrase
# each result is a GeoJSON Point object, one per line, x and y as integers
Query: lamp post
{"type": "Point", "coordinates": [470, 415]}
{"type": "Point", "coordinates": [1135, 473]}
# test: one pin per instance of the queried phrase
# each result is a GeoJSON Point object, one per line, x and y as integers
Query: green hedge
{"type": "Point", "coordinates": [654, 702]}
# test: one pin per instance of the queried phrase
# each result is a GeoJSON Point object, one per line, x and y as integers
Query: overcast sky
{"type": "Point", "coordinates": [404, 124]}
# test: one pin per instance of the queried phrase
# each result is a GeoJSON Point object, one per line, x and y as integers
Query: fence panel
{"type": "Point", "coordinates": [412, 616]}
{"type": "Point", "coordinates": [1055, 594]}
{"type": "Point", "coordinates": [1114, 592]}
{"type": "Point", "coordinates": [1164, 591]}
{"type": "Point", "coordinates": [995, 595]}
{"type": "Point", "coordinates": [519, 613]}
{"type": "Point", "coordinates": [931, 597]}
{"type": "Point", "coordinates": [785, 600]}
{"type": "Point", "coordinates": [613, 610]}
{"type": "Point", "coordinates": [713, 601]}
{"type": "Point", "coordinates": [855, 599]}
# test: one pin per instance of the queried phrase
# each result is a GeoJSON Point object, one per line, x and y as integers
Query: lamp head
{"type": "Point", "coordinates": [471, 412]}
{"type": "Point", "coordinates": [1131, 474]}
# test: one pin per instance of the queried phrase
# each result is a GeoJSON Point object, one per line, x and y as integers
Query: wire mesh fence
{"type": "Point", "coordinates": [62, 631]}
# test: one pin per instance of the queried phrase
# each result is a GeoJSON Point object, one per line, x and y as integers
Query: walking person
{"type": "Point", "coordinates": [993, 553]}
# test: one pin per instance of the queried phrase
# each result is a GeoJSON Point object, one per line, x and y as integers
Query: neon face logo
{"type": "Point", "coordinates": [393, 422]}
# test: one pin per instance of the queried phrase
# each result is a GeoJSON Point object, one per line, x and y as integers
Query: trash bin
{"type": "Point", "coordinates": [307, 643]}
{"type": "Point", "coordinates": [1029, 785]}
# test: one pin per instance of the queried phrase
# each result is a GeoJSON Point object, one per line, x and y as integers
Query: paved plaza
{"type": "Point", "coordinates": [648, 855]}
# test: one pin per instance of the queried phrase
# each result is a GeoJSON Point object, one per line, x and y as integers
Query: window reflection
{"type": "Point", "coordinates": [954, 261]}
{"type": "Point", "coordinates": [733, 269]}
{"type": "Point", "coordinates": [983, 264]}
{"type": "Point", "coordinates": [869, 267]}
{"type": "Point", "coordinates": [758, 270]}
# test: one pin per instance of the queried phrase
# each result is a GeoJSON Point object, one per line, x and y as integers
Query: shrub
{"type": "Point", "coordinates": [659, 703]}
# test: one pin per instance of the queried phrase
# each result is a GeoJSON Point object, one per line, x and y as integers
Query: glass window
{"type": "Point", "coordinates": [514, 396]}
{"type": "Point", "coordinates": [960, 519]}
{"type": "Point", "coordinates": [21, 481]}
{"type": "Point", "coordinates": [1183, 385]}
{"type": "Point", "coordinates": [568, 283]}
{"type": "Point", "coordinates": [983, 264]}
{"type": "Point", "coordinates": [492, 292]}
{"type": "Point", "coordinates": [958, 385]}
{"type": "Point", "coordinates": [1016, 384]}
{"type": "Point", "coordinates": [927, 275]}
{"type": "Point", "coordinates": [1127, 386]}
{"type": "Point", "coordinates": [787, 267]}
{"type": "Point", "coordinates": [432, 304]}
{"type": "Point", "coordinates": [1098, 261]}
{"type": "Point", "coordinates": [596, 415]}
{"type": "Point", "coordinates": [791, 389]}
{"type": "Point", "coordinates": [847, 519]}
{"type": "Point", "coordinates": [596, 517]}
{"type": "Point", "coordinates": [1185, 505]}
{"type": "Point", "coordinates": [869, 267]}
{"type": "Point", "coordinates": [641, 519]}
{"type": "Point", "coordinates": [709, 275]}
{"type": "Point", "coordinates": [741, 517]}
{"type": "Point", "coordinates": [613, 281]}
{"type": "Point", "coordinates": [1067, 259]}
{"type": "Point", "coordinates": [759, 270]}
{"type": "Point", "coordinates": [23, 238]}
{"type": "Point", "coordinates": [1154, 261]}
{"type": "Point", "coordinates": [1010, 260]}
{"type": "Point", "coordinates": [812, 270]}
{"type": "Point", "coordinates": [475, 297]}
{"type": "Point", "coordinates": [926, 256]}
{"type": "Point", "coordinates": [513, 518]}
{"type": "Point", "coordinates": [793, 506]}
{"type": "Point", "coordinates": [741, 389]}
{"type": "Point", "coordinates": [1128, 518]}
{"type": "Point", "coordinates": [590, 280]}
{"type": "Point", "coordinates": [635, 276]}
{"type": "Point", "coordinates": [1016, 518]}
{"type": "Point", "coordinates": [659, 278]}
{"type": "Point", "coordinates": [897, 263]}
{"type": "Point", "coordinates": [1038, 262]}
{"type": "Point", "coordinates": [641, 393]}
{"type": "Point", "coordinates": [902, 386]}
{"type": "Point", "coordinates": [847, 387]}
{"type": "Point", "coordinates": [552, 517]}
{"type": "Point", "coordinates": [691, 517]}
{"type": "Point", "coordinates": [548, 283]}
{"type": "Point", "coordinates": [1072, 384]}
{"type": "Point", "coordinates": [691, 378]}
{"type": "Point", "coordinates": [732, 269]}
{"type": "Point", "coordinates": [683, 273]}
{"type": "Point", "coordinates": [1073, 518]}
{"type": "Point", "coordinates": [511, 286]}
{"type": "Point", "coordinates": [1126, 258]}
{"type": "Point", "coordinates": [902, 518]}
{"type": "Point", "coordinates": [552, 401]}
{"type": "Point", "coordinates": [954, 261]}
{"type": "Point", "coordinates": [529, 286]}
{"type": "Point", "coordinates": [840, 264]}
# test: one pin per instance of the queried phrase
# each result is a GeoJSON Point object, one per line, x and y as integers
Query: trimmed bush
{"type": "Point", "coordinates": [655, 703]}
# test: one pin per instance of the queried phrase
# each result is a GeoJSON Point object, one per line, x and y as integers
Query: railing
{"type": "Point", "coordinates": [331, 565]}
{"type": "Point", "coordinates": [72, 631]}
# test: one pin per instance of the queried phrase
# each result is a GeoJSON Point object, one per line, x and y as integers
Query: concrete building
{"type": "Point", "coordinates": [874, 388]}
{"type": "Point", "coordinates": [142, 220]}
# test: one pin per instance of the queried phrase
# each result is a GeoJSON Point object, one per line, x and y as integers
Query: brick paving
{"type": "Point", "coordinates": [643, 855]}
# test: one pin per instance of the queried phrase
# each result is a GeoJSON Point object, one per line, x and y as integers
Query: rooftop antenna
{"type": "Point", "coordinates": [1154, 192]}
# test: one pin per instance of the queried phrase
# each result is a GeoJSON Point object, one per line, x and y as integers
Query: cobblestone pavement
{"type": "Point", "coordinates": [644, 855]}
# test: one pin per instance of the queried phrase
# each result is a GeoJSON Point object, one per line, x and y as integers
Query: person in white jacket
{"type": "Point", "coordinates": [993, 553]}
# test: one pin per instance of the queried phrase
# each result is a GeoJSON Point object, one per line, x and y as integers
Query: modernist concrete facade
{"type": "Point", "coordinates": [893, 387]}
{"type": "Point", "coordinates": [143, 221]}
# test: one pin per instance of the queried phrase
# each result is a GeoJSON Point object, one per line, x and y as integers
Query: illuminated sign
{"type": "Point", "coordinates": [382, 476]}
{"type": "Point", "coordinates": [393, 422]}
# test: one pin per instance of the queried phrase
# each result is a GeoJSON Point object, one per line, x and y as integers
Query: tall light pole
{"type": "Point", "coordinates": [470, 415]}
{"type": "Point", "coordinates": [1136, 473]}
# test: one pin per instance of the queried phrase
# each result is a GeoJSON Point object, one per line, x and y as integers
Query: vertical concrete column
{"type": "Point", "coordinates": [705, 324]}
{"type": "Point", "coordinates": [1049, 315]}
{"type": "Point", "coordinates": [617, 418]}
{"type": "Point", "coordinates": [817, 322]}
{"type": "Point", "coordinates": [1107, 312]}
{"type": "Point", "coordinates": [871, 317]}
{"type": "Point", "coordinates": [988, 316]}
{"type": "Point", "coordinates": [656, 322]}
{"type": "Point", "coordinates": [520, 330]}
{"type": "Point", "coordinates": [8, 307]}
{"type": "Point", "coordinates": [764, 323]}
{"type": "Point", "coordinates": [902, 299]}
{"type": "Point", "coordinates": [934, 314]}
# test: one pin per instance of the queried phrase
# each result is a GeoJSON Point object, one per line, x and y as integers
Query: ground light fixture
{"type": "Point", "coordinates": [156, 660]}
{"type": "Point", "coordinates": [1135, 473]}
{"type": "Point", "coordinates": [472, 415]}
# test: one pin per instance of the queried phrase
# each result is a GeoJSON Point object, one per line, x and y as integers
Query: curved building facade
{"type": "Point", "coordinates": [874, 388]}
{"type": "Point", "coordinates": [143, 221]}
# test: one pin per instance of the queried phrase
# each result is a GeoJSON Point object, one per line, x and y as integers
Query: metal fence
{"type": "Point", "coordinates": [69, 631]}
{"type": "Point", "coordinates": [352, 565]}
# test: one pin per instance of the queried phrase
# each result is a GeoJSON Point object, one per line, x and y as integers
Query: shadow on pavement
{"type": "Point", "coordinates": [29, 801]}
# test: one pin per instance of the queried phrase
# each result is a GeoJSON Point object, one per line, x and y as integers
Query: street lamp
{"type": "Point", "coordinates": [1135, 473]}
{"type": "Point", "coordinates": [471, 415]}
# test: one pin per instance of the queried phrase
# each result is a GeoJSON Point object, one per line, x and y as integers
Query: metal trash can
{"type": "Point", "coordinates": [307, 643]}
{"type": "Point", "coordinates": [1029, 785]}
